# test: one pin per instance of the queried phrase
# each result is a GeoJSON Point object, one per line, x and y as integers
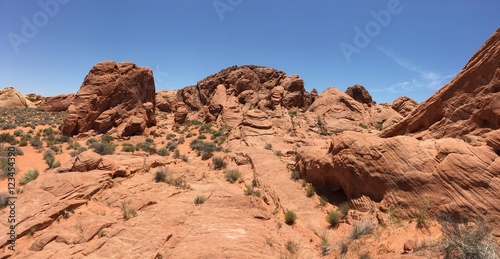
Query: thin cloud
{"type": "Point", "coordinates": [423, 79]}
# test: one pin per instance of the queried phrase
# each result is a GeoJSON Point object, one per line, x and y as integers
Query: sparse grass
{"type": "Point", "coordinates": [323, 201]}
{"type": "Point", "coordinates": [466, 139]}
{"type": "Point", "coordinates": [251, 191]}
{"type": "Point", "coordinates": [344, 208]}
{"type": "Point", "coordinates": [29, 176]}
{"type": "Point", "coordinates": [310, 191]}
{"type": "Point", "coordinates": [292, 247]}
{"type": "Point", "coordinates": [232, 175]}
{"type": "Point", "coordinates": [290, 217]}
{"type": "Point", "coordinates": [127, 211]}
{"type": "Point", "coordinates": [333, 217]}
{"type": "Point", "coordinates": [421, 214]}
{"type": "Point", "coordinates": [466, 239]}
{"type": "Point", "coordinates": [326, 247]}
{"type": "Point", "coordinates": [127, 147]}
{"type": "Point", "coordinates": [361, 228]}
{"type": "Point", "coordinates": [200, 199]}
{"type": "Point", "coordinates": [50, 159]}
{"type": "Point", "coordinates": [218, 163]}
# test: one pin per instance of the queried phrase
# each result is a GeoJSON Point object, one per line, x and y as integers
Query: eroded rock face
{"type": "Point", "coordinates": [360, 94]}
{"type": "Point", "coordinates": [469, 104]}
{"type": "Point", "coordinates": [119, 96]}
{"type": "Point", "coordinates": [404, 105]}
{"type": "Point", "coordinates": [166, 100]}
{"type": "Point", "coordinates": [11, 98]}
{"type": "Point", "coordinates": [450, 174]}
{"type": "Point", "coordinates": [57, 103]}
{"type": "Point", "coordinates": [35, 99]}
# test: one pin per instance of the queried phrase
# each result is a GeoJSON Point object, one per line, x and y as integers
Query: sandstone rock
{"type": "Point", "coordinates": [469, 104]}
{"type": "Point", "coordinates": [113, 96]}
{"type": "Point", "coordinates": [11, 98]}
{"type": "Point", "coordinates": [57, 103]}
{"type": "Point", "coordinates": [404, 105]}
{"type": "Point", "coordinates": [360, 94]}
{"type": "Point", "coordinates": [408, 246]}
{"type": "Point", "coordinates": [166, 100]}
{"type": "Point", "coordinates": [35, 99]}
{"type": "Point", "coordinates": [493, 140]}
{"type": "Point", "coordinates": [86, 161]}
{"type": "Point", "coordinates": [450, 174]}
{"type": "Point", "coordinates": [231, 113]}
{"type": "Point", "coordinates": [181, 113]}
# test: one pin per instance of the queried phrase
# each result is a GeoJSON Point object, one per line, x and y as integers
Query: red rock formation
{"type": "Point", "coordinates": [469, 104]}
{"type": "Point", "coordinates": [166, 100]}
{"type": "Point", "coordinates": [360, 94]}
{"type": "Point", "coordinates": [11, 98]}
{"type": "Point", "coordinates": [120, 96]}
{"type": "Point", "coordinates": [404, 105]}
{"type": "Point", "coordinates": [57, 103]}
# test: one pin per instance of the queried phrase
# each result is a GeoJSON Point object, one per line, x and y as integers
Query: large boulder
{"type": "Point", "coordinates": [166, 100]}
{"type": "Point", "coordinates": [360, 94]}
{"type": "Point", "coordinates": [57, 103]}
{"type": "Point", "coordinates": [11, 98]}
{"type": "Point", "coordinates": [119, 96]}
{"type": "Point", "coordinates": [404, 105]}
{"type": "Point", "coordinates": [469, 104]}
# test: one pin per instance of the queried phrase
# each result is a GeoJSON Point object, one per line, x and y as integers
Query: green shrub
{"type": "Point", "coordinates": [172, 145]}
{"type": "Point", "coordinates": [160, 176]}
{"type": "Point", "coordinates": [232, 175]}
{"type": "Point", "coordinates": [200, 199]}
{"type": "Point", "coordinates": [91, 141]}
{"type": "Point", "coordinates": [310, 191]}
{"type": "Point", "coordinates": [127, 147]}
{"type": "Point", "coordinates": [6, 137]}
{"type": "Point", "coordinates": [201, 136]}
{"type": "Point", "coordinates": [290, 217]}
{"type": "Point", "coordinates": [344, 209]}
{"type": "Point", "coordinates": [29, 176]}
{"type": "Point", "coordinates": [170, 136]}
{"type": "Point", "coordinates": [163, 152]}
{"type": "Point", "coordinates": [181, 141]}
{"type": "Point", "coordinates": [18, 133]}
{"type": "Point", "coordinates": [251, 191]}
{"type": "Point", "coordinates": [218, 163]}
{"type": "Point", "coordinates": [363, 227]}
{"type": "Point", "coordinates": [184, 158]}
{"type": "Point", "coordinates": [332, 217]}
{"type": "Point", "coordinates": [177, 154]}
{"type": "Point", "coordinates": [107, 139]}
{"type": "Point", "coordinates": [421, 215]}
{"type": "Point", "coordinates": [50, 159]}
{"type": "Point", "coordinates": [323, 201]}
{"type": "Point", "coordinates": [104, 148]}
{"type": "Point", "coordinates": [291, 246]}
{"type": "Point", "coordinates": [268, 146]}
{"type": "Point", "coordinates": [295, 175]}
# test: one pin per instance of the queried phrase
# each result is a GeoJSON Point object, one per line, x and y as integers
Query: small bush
{"type": "Point", "coordinates": [250, 191]}
{"type": "Point", "coordinates": [104, 148]}
{"type": "Point", "coordinates": [18, 133]}
{"type": "Point", "coordinates": [268, 146]}
{"type": "Point", "coordinates": [107, 139]}
{"type": "Point", "coordinates": [201, 136]}
{"type": "Point", "coordinates": [332, 217]}
{"type": "Point", "coordinates": [181, 141]}
{"type": "Point", "coordinates": [163, 152]}
{"type": "Point", "coordinates": [465, 239]}
{"type": "Point", "coordinates": [310, 191]}
{"type": "Point", "coordinates": [184, 158]}
{"type": "Point", "coordinates": [4, 199]}
{"type": "Point", "coordinates": [323, 201]}
{"type": "Point", "coordinates": [127, 147]}
{"type": "Point", "coordinates": [218, 163]}
{"type": "Point", "coordinates": [177, 154]}
{"type": "Point", "coordinates": [50, 159]}
{"type": "Point", "coordinates": [170, 136]}
{"type": "Point", "coordinates": [29, 176]}
{"type": "Point", "coordinates": [127, 211]}
{"type": "Point", "coordinates": [344, 209]}
{"type": "Point", "coordinates": [291, 246]}
{"type": "Point", "coordinates": [91, 141]}
{"type": "Point", "coordinates": [295, 175]}
{"type": "Point", "coordinates": [160, 176]}
{"type": "Point", "coordinates": [6, 137]}
{"type": "Point", "coordinates": [290, 217]}
{"type": "Point", "coordinates": [344, 247]}
{"type": "Point", "coordinates": [421, 215]}
{"type": "Point", "coordinates": [172, 145]}
{"type": "Point", "coordinates": [278, 153]}
{"type": "Point", "coordinates": [361, 228]}
{"type": "Point", "coordinates": [232, 175]}
{"type": "Point", "coordinates": [200, 199]}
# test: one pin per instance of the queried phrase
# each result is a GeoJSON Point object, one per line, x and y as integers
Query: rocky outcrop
{"type": "Point", "coordinates": [35, 99]}
{"type": "Point", "coordinates": [57, 103]}
{"type": "Point", "coordinates": [256, 123]}
{"type": "Point", "coordinates": [181, 113]}
{"type": "Point", "coordinates": [11, 98]}
{"type": "Point", "coordinates": [404, 105]}
{"type": "Point", "coordinates": [469, 104]}
{"type": "Point", "coordinates": [166, 100]}
{"type": "Point", "coordinates": [360, 94]}
{"type": "Point", "coordinates": [113, 96]}
{"type": "Point", "coordinates": [450, 174]}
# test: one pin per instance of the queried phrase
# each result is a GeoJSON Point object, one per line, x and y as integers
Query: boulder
{"type": "Point", "coordinates": [57, 103]}
{"type": "Point", "coordinates": [404, 105]}
{"type": "Point", "coordinates": [360, 94]}
{"type": "Point", "coordinates": [166, 100]}
{"type": "Point", "coordinates": [86, 161]}
{"type": "Point", "coordinates": [181, 113]}
{"type": "Point", "coordinates": [120, 96]}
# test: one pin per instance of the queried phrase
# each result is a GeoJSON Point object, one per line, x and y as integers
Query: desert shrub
{"type": "Point", "coordinates": [323, 201]}
{"type": "Point", "coordinates": [184, 158]}
{"type": "Point", "coordinates": [48, 131]}
{"type": "Point", "coordinates": [6, 137]}
{"type": "Point", "coordinates": [91, 141]}
{"type": "Point", "coordinates": [160, 176]}
{"type": "Point", "coordinates": [201, 136]}
{"type": "Point", "coordinates": [290, 217]}
{"type": "Point", "coordinates": [4, 200]}
{"type": "Point", "coordinates": [29, 176]}
{"type": "Point", "coordinates": [170, 136]}
{"type": "Point", "coordinates": [200, 199]}
{"type": "Point", "coordinates": [49, 158]}
{"type": "Point", "coordinates": [232, 175]}
{"type": "Point", "coordinates": [250, 191]}
{"type": "Point", "coordinates": [421, 215]}
{"type": "Point", "coordinates": [73, 153]}
{"type": "Point", "coordinates": [163, 152]}
{"type": "Point", "coordinates": [104, 148]}
{"type": "Point", "coordinates": [107, 139]}
{"type": "Point", "coordinates": [466, 239]}
{"type": "Point", "coordinates": [189, 134]}
{"type": "Point", "coordinates": [147, 146]}
{"type": "Point", "coordinates": [18, 133]}
{"type": "Point", "coordinates": [361, 228]}
{"type": "Point", "coordinates": [127, 211]}
{"type": "Point", "coordinates": [310, 191]}
{"type": "Point", "coordinates": [344, 208]}
{"type": "Point", "coordinates": [217, 134]}
{"type": "Point", "coordinates": [332, 217]}
{"type": "Point", "coordinates": [127, 147]}
{"type": "Point", "coordinates": [177, 154]}
{"type": "Point", "coordinates": [218, 163]}
{"type": "Point", "coordinates": [365, 256]}
{"type": "Point", "coordinates": [4, 151]}
{"type": "Point", "coordinates": [206, 128]}
{"type": "Point", "coordinates": [291, 246]}
{"type": "Point", "coordinates": [81, 149]}
{"type": "Point", "coordinates": [268, 146]}
{"type": "Point", "coordinates": [295, 175]}
{"type": "Point", "coordinates": [278, 153]}
{"type": "Point", "coordinates": [172, 145]}
{"type": "Point", "coordinates": [62, 139]}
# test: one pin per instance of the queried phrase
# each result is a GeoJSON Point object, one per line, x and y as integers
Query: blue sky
{"type": "Point", "coordinates": [391, 47]}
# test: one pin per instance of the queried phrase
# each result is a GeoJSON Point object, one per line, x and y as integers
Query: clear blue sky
{"type": "Point", "coordinates": [421, 47]}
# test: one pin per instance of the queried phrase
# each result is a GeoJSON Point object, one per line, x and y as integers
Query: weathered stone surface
{"type": "Point", "coordinates": [113, 95]}
{"type": "Point", "coordinates": [181, 113]}
{"type": "Point", "coordinates": [360, 94]}
{"type": "Point", "coordinates": [57, 103]}
{"type": "Point", "coordinates": [469, 104]}
{"type": "Point", "coordinates": [86, 161]}
{"type": "Point", "coordinates": [166, 100]}
{"type": "Point", "coordinates": [404, 105]}
{"type": "Point", "coordinates": [11, 98]}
